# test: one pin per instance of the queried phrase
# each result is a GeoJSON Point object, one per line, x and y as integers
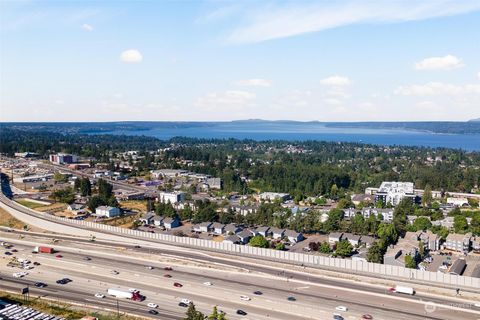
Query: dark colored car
{"type": "Point", "coordinates": [183, 304]}
{"type": "Point", "coordinates": [258, 293]}
{"type": "Point", "coordinates": [153, 312]}
{"type": "Point", "coordinates": [167, 276]}
{"type": "Point", "coordinates": [367, 317]}
{"type": "Point", "coordinates": [292, 299]}
{"type": "Point", "coordinates": [241, 312]}
{"type": "Point", "coordinates": [36, 263]}
{"type": "Point", "coordinates": [178, 285]}
{"type": "Point", "coordinates": [87, 258]}
{"type": "Point", "coordinates": [168, 269]}
{"type": "Point", "coordinates": [14, 250]}
{"type": "Point", "coordinates": [64, 281]}
{"type": "Point", "coordinates": [40, 284]}
{"type": "Point", "coordinates": [8, 253]}
{"type": "Point", "coordinates": [137, 247]}
{"type": "Point", "coordinates": [337, 317]}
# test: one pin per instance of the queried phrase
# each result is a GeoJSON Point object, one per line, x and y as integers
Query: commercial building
{"type": "Point", "coordinates": [172, 197]}
{"type": "Point", "coordinates": [61, 158]}
{"type": "Point", "coordinates": [107, 211]}
{"type": "Point", "coordinates": [272, 196]}
{"type": "Point", "coordinates": [391, 192]}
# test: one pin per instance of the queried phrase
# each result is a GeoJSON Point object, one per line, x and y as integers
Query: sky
{"type": "Point", "coordinates": [344, 60]}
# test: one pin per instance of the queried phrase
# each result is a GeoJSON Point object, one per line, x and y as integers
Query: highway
{"type": "Point", "coordinates": [315, 298]}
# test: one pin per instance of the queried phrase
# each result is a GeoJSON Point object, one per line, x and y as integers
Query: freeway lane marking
{"type": "Point", "coordinates": [299, 288]}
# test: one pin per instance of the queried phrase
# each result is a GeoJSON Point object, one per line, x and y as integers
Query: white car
{"type": "Point", "coordinates": [133, 290]}
{"type": "Point", "coordinates": [186, 301]}
{"type": "Point", "coordinates": [341, 308]}
{"type": "Point", "coordinates": [17, 275]}
{"type": "Point", "coordinates": [149, 268]}
{"type": "Point", "coordinates": [23, 273]}
{"type": "Point", "coordinates": [152, 305]}
{"type": "Point", "coordinates": [99, 295]}
{"type": "Point", "coordinates": [245, 298]}
{"type": "Point", "coordinates": [208, 283]}
{"type": "Point", "coordinates": [27, 267]}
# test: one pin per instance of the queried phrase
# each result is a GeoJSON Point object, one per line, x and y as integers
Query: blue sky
{"type": "Point", "coordinates": [218, 60]}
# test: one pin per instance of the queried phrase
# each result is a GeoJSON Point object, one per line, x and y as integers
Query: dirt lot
{"type": "Point", "coordinates": [140, 205]}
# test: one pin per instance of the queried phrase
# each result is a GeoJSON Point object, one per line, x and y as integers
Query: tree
{"type": "Point", "coordinates": [58, 177]}
{"type": "Point", "coordinates": [334, 217]}
{"type": "Point", "coordinates": [375, 253]}
{"type": "Point", "coordinates": [193, 314]}
{"type": "Point", "coordinates": [214, 314]}
{"type": "Point", "coordinates": [95, 202]}
{"type": "Point", "coordinates": [421, 249]}
{"type": "Point", "coordinates": [410, 262]}
{"type": "Point", "coordinates": [258, 241]}
{"type": "Point", "coordinates": [324, 248]}
{"type": "Point", "coordinates": [387, 232]}
{"type": "Point", "coordinates": [460, 224]}
{"type": "Point", "coordinates": [104, 189]}
{"type": "Point", "coordinates": [427, 196]}
{"type": "Point", "coordinates": [334, 190]}
{"type": "Point", "coordinates": [358, 224]}
{"type": "Point", "coordinates": [343, 248]}
{"type": "Point", "coordinates": [63, 195]}
{"type": "Point", "coordinates": [422, 223]}
{"type": "Point", "coordinates": [85, 187]}
{"type": "Point", "coordinates": [280, 246]}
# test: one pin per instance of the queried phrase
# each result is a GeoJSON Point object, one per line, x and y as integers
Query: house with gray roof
{"type": "Point", "coordinates": [293, 236]}
{"type": "Point", "coordinates": [245, 236]}
{"type": "Point", "coordinates": [158, 221]}
{"type": "Point", "coordinates": [218, 228]}
{"type": "Point", "coordinates": [458, 267]}
{"type": "Point", "coordinates": [264, 231]}
{"type": "Point", "coordinates": [205, 226]}
{"type": "Point", "coordinates": [234, 239]}
{"type": "Point", "coordinates": [170, 223]}
{"type": "Point", "coordinates": [334, 237]}
{"type": "Point", "coordinates": [232, 228]}
{"type": "Point", "coordinates": [277, 233]}
{"type": "Point", "coordinates": [147, 218]}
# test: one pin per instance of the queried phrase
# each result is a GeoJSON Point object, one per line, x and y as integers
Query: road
{"type": "Point", "coordinates": [315, 299]}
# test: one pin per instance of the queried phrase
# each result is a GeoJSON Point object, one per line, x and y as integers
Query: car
{"type": "Point", "coordinates": [391, 289]}
{"type": "Point", "coordinates": [367, 317]}
{"type": "Point", "coordinates": [133, 290]}
{"type": "Point", "coordinates": [245, 298]}
{"type": "Point", "coordinates": [7, 253]}
{"type": "Point", "coordinates": [27, 267]}
{"type": "Point", "coordinates": [178, 285]}
{"type": "Point", "coordinates": [36, 263]}
{"type": "Point", "coordinates": [153, 312]}
{"type": "Point", "coordinates": [58, 256]}
{"type": "Point", "coordinates": [99, 295]}
{"type": "Point", "coordinates": [337, 317]}
{"type": "Point", "coordinates": [167, 276]}
{"type": "Point", "coordinates": [14, 250]}
{"type": "Point", "coordinates": [341, 308]}
{"type": "Point", "coordinates": [181, 304]}
{"type": "Point", "coordinates": [61, 281]}
{"type": "Point", "coordinates": [168, 268]}
{"type": "Point", "coordinates": [208, 283]}
{"type": "Point", "coordinates": [241, 312]}
{"type": "Point", "coordinates": [152, 305]}
{"type": "Point", "coordinates": [292, 299]}
{"type": "Point", "coordinates": [186, 301]}
{"type": "Point", "coordinates": [258, 293]}
{"type": "Point", "coordinates": [17, 275]}
{"type": "Point", "coordinates": [87, 258]}
{"type": "Point", "coordinates": [150, 267]}
{"type": "Point", "coordinates": [114, 272]}
{"type": "Point", "coordinates": [40, 284]}
{"type": "Point", "coordinates": [137, 247]}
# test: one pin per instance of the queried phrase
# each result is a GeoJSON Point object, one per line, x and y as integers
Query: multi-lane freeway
{"type": "Point", "coordinates": [315, 297]}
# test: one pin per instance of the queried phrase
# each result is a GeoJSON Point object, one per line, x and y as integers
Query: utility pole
{"type": "Point", "coordinates": [118, 310]}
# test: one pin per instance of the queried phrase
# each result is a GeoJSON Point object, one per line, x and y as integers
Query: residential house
{"type": "Point", "coordinates": [245, 236]}
{"type": "Point", "coordinates": [277, 233]}
{"type": "Point", "coordinates": [232, 228]}
{"type": "Point", "coordinates": [359, 198]}
{"type": "Point", "coordinates": [334, 237]}
{"type": "Point", "coordinates": [214, 183]}
{"type": "Point", "coordinates": [147, 218]}
{"type": "Point", "coordinates": [107, 211]}
{"type": "Point", "coordinates": [158, 221]}
{"type": "Point", "coordinates": [218, 228]}
{"type": "Point", "coordinates": [352, 238]}
{"type": "Point", "coordinates": [407, 245]}
{"type": "Point", "coordinates": [367, 240]}
{"type": "Point", "coordinates": [458, 267]}
{"type": "Point", "coordinates": [205, 226]}
{"type": "Point", "coordinates": [264, 231]}
{"type": "Point", "coordinates": [234, 239]}
{"type": "Point", "coordinates": [458, 242]}
{"type": "Point", "coordinates": [293, 236]}
{"type": "Point", "coordinates": [362, 256]}
{"type": "Point", "coordinates": [170, 223]}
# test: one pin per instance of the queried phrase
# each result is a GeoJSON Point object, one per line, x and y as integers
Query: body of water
{"type": "Point", "coordinates": [312, 131]}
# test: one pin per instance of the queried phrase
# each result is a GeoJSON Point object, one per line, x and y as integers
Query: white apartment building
{"type": "Point", "coordinates": [172, 197]}
{"type": "Point", "coordinates": [393, 192]}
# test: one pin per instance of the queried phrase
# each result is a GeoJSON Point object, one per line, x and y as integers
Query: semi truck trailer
{"type": "Point", "coordinates": [125, 294]}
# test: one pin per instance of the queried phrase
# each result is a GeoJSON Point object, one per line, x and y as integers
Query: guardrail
{"type": "Point", "coordinates": [394, 273]}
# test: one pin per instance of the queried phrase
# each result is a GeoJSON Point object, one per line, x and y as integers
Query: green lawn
{"type": "Point", "coordinates": [29, 204]}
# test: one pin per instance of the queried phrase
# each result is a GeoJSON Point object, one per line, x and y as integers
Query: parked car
{"type": "Point", "coordinates": [87, 258]}
{"type": "Point", "coordinates": [58, 256]}
{"type": "Point", "coordinates": [337, 317]}
{"type": "Point", "coordinates": [178, 285]}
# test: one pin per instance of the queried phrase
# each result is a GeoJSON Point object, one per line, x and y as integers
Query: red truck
{"type": "Point", "coordinates": [43, 250]}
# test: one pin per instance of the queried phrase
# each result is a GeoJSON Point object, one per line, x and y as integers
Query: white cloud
{"type": "Point", "coordinates": [273, 21]}
{"type": "Point", "coordinates": [335, 81]}
{"type": "Point", "coordinates": [447, 62]}
{"type": "Point", "coordinates": [229, 98]}
{"type": "Point", "coordinates": [478, 76]}
{"type": "Point", "coordinates": [333, 101]}
{"type": "Point", "coordinates": [131, 56]}
{"type": "Point", "coordinates": [438, 88]}
{"type": "Point", "coordinates": [254, 82]}
{"type": "Point", "coordinates": [87, 27]}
